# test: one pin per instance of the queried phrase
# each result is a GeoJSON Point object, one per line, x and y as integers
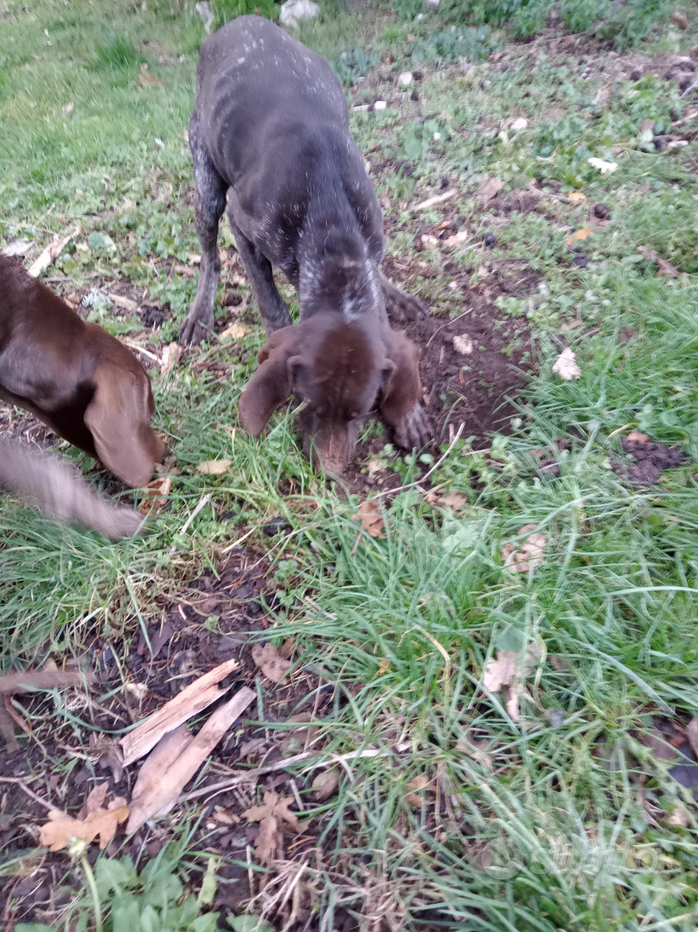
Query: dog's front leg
{"type": "Point", "coordinates": [209, 204]}
{"type": "Point", "coordinates": [413, 431]}
{"type": "Point", "coordinates": [271, 305]}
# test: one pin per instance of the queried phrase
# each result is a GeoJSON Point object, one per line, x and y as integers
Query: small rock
{"type": "Point", "coordinates": [489, 239]}
{"type": "Point", "coordinates": [601, 211]}
{"type": "Point", "coordinates": [437, 137]}
{"type": "Point", "coordinates": [556, 717]}
{"type": "Point", "coordinates": [405, 78]}
{"type": "Point", "coordinates": [463, 344]}
{"type": "Point", "coordinates": [380, 105]}
{"type": "Point", "coordinates": [295, 10]}
{"type": "Point", "coordinates": [679, 19]}
{"type": "Point", "coordinates": [276, 526]}
{"type": "Point", "coordinates": [519, 124]}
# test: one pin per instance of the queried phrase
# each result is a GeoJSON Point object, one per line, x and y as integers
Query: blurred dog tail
{"type": "Point", "coordinates": [51, 485]}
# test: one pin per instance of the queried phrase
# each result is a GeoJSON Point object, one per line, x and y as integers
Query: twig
{"type": "Point", "coordinates": [469, 311]}
{"type": "Point", "coordinates": [685, 93]}
{"type": "Point", "coordinates": [433, 468]}
{"type": "Point", "coordinates": [140, 349]}
{"type": "Point", "coordinates": [437, 199]}
{"type": "Point", "coordinates": [251, 775]}
{"type": "Point", "coordinates": [204, 500]}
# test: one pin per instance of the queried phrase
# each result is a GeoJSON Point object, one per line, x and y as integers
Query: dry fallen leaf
{"type": "Point", "coordinates": [679, 19]}
{"type": "Point", "coordinates": [500, 672]}
{"type": "Point", "coordinates": [236, 331]}
{"type": "Point", "coordinates": [606, 168]}
{"type": "Point", "coordinates": [94, 801]}
{"type": "Point", "coordinates": [529, 553]}
{"type": "Point", "coordinates": [155, 496]}
{"type": "Point", "coordinates": [454, 500]}
{"type": "Point", "coordinates": [658, 744]}
{"type": "Point", "coordinates": [59, 831]}
{"type": "Point", "coordinates": [171, 355]}
{"type": "Point", "coordinates": [477, 750]}
{"type": "Point", "coordinates": [414, 787]}
{"type": "Point", "coordinates": [52, 252]}
{"type": "Point", "coordinates": [273, 817]}
{"type": "Point", "coordinates": [578, 235]}
{"type": "Point", "coordinates": [325, 784]}
{"type": "Point", "coordinates": [577, 197]}
{"type": "Point", "coordinates": [566, 367]}
{"type": "Point", "coordinates": [369, 514]}
{"type": "Point", "coordinates": [457, 238]}
{"type": "Point", "coordinates": [665, 268]}
{"type": "Point", "coordinates": [145, 79]}
{"type": "Point", "coordinates": [678, 817]}
{"type": "Point", "coordinates": [510, 669]}
{"type": "Point", "coordinates": [463, 344]}
{"type": "Point", "coordinates": [273, 665]}
{"type": "Point", "coordinates": [636, 437]}
{"type": "Point", "coordinates": [490, 188]}
{"type": "Point", "coordinates": [214, 467]}
{"type": "Point", "coordinates": [482, 272]}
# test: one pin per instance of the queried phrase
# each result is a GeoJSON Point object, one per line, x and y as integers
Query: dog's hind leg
{"type": "Point", "coordinates": [271, 305]}
{"type": "Point", "coordinates": [209, 204]}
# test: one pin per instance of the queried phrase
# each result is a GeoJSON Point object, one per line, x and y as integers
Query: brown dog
{"type": "Point", "coordinates": [270, 139]}
{"type": "Point", "coordinates": [75, 377]}
{"type": "Point", "coordinates": [337, 368]}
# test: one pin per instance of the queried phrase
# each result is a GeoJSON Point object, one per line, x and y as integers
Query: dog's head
{"type": "Point", "coordinates": [118, 416]}
{"type": "Point", "coordinates": [338, 369]}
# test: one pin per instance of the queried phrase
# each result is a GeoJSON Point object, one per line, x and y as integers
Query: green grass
{"type": "Point", "coordinates": [557, 821]}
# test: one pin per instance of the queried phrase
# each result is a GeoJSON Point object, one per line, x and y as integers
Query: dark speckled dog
{"type": "Point", "coordinates": [270, 129]}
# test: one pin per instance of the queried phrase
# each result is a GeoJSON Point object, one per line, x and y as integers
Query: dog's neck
{"type": "Point", "coordinates": [336, 272]}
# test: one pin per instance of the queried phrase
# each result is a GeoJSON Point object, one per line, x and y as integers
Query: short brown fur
{"type": "Point", "coordinates": [75, 377]}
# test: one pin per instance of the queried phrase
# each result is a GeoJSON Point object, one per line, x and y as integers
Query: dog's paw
{"type": "Point", "coordinates": [414, 430]}
{"type": "Point", "coordinates": [406, 307]}
{"type": "Point", "coordinates": [193, 331]}
{"type": "Point", "coordinates": [400, 305]}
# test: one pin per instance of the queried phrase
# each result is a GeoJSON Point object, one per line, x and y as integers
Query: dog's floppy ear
{"type": "Point", "coordinates": [403, 388]}
{"type": "Point", "coordinates": [118, 417]}
{"type": "Point", "coordinates": [272, 383]}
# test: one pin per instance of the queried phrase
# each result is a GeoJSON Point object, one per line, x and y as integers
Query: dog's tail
{"type": "Point", "coordinates": [51, 485]}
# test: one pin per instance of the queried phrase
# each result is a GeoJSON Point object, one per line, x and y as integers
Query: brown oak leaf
{"type": "Point", "coordinates": [371, 518]}
{"type": "Point", "coordinates": [61, 829]}
{"type": "Point", "coordinates": [273, 665]}
{"type": "Point", "coordinates": [273, 816]}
